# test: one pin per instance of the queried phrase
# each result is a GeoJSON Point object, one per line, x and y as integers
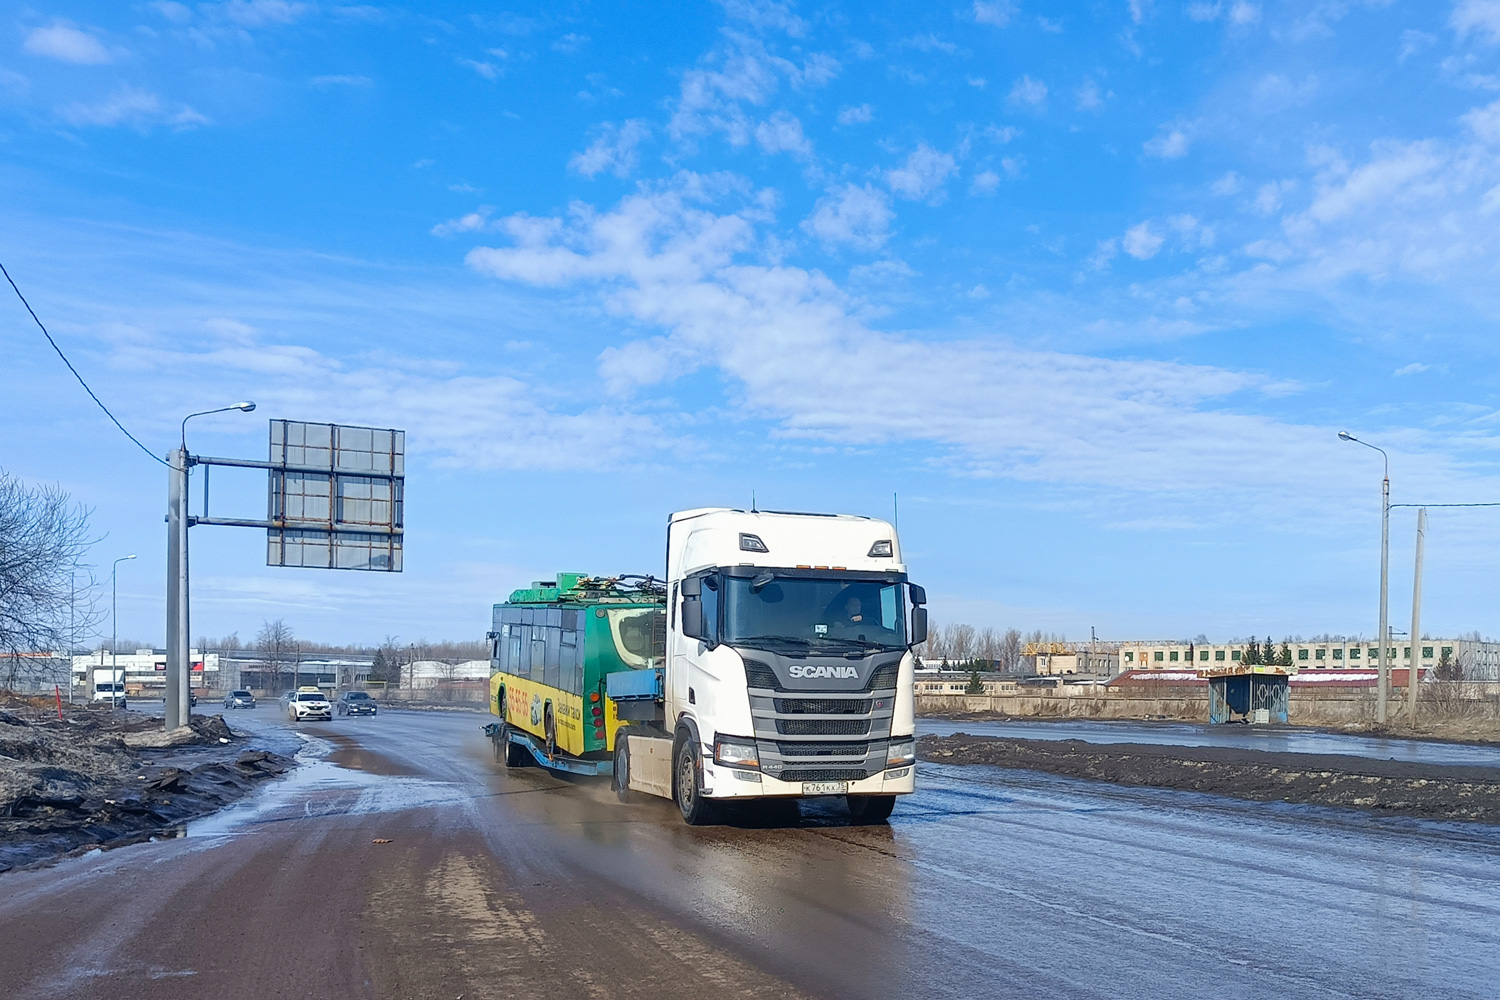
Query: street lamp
{"type": "Point", "coordinates": [179, 669]}
{"type": "Point", "coordinates": [1383, 686]}
{"type": "Point", "coordinates": [114, 631]}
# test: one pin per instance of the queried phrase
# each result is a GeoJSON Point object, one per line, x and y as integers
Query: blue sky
{"type": "Point", "coordinates": [1091, 286]}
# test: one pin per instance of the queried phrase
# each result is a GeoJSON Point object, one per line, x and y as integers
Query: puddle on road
{"type": "Point", "coordinates": [323, 785]}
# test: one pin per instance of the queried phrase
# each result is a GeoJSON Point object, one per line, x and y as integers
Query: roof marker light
{"type": "Point", "coordinates": [752, 543]}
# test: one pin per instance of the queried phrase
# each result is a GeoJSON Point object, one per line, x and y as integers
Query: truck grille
{"type": "Point", "coordinates": [826, 774]}
{"type": "Point", "coordinates": [760, 675]}
{"type": "Point", "coordinates": [823, 727]}
{"type": "Point", "coordinates": [850, 748]}
{"type": "Point", "coordinates": [822, 706]}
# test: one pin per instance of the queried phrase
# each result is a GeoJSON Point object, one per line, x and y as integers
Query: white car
{"type": "Point", "coordinates": [309, 705]}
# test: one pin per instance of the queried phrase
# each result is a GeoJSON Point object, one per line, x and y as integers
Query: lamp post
{"type": "Point", "coordinates": [114, 631]}
{"type": "Point", "coordinates": [179, 667]}
{"type": "Point", "coordinates": [1383, 685]}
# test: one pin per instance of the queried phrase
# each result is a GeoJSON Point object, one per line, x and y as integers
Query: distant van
{"type": "Point", "coordinates": [110, 691]}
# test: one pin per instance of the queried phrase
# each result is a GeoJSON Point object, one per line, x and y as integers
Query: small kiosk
{"type": "Point", "coordinates": [1254, 694]}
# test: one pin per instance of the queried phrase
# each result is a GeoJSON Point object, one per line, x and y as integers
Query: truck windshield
{"type": "Point", "coordinates": [816, 613]}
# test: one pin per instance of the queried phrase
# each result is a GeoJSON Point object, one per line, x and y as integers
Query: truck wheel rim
{"type": "Point", "coordinates": [687, 788]}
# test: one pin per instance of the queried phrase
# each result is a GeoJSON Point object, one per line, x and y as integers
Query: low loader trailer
{"type": "Point", "coordinates": [773, 661]}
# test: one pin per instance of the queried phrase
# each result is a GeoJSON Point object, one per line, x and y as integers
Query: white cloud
{"type": "Point", "coordinates": [61, 40]}
{"type": "Point", "coordinates": [486, 69]}
{"type": "Point", "coordinates": [764, 14]}
{"type": "Point", "coordinates": [856, 115]}
{"type": "Point", "coordinates": [1399, 170]}
{"type": "Point", "coordinates": [177, 13]}
{"type": "Point", "coordinates": [613, 149]}
{"type": "Point", "coordinates": [1244, 13]}
{"type": "Point", "coordinates": [1141, 241]}
{"type": "Point", "coordinates": [985, 182]}
{"type": "Point", "coordinates": [789, 340]}
{"type": "Point", "coordinates": [995, 12]}
{"type": "Point", "coordinates": [1268, 196]}
{"type": "Point", "coordinates": [743, 72]}
{"type": "Point", "coordinates": [1415, 368]}
{"type": "Point", "coordinates": [570, 43]}
{"type": "Point", "coordinates": [1088, 96]}
{"type": "Point", "coordinates": [1169, 144]}
{"type": "Point", "coordinates": [1485, 123]}
{"type": "Point", "coordinates": [257, 13]}
{"type": "Point", "coordinates": [1227, 185]}
{"type": "Point", "coordinates": [928, 43]}
{"type": "Point", "coordinates": [923, 174]}
{"type": "Point", "coordinates": [340, 80]}
{"type": "Point", "coordinates": [133, 107]}
{"type": "Point", "coordinates": [1028, 93]}
{"type": "Point", "coordinates": [474, 222]}
{"type": "Point", "coordinates": [1205, 11]}
{"type": "Point", "coordinates": [855, 216]}
{"type": "Point", "coordinates": [1481, 17]}
{"type": "Point", "coordinates": [782, 133]}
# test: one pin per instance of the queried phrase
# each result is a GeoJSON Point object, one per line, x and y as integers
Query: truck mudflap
{"type": "Point", "coordinates": [561, 762]}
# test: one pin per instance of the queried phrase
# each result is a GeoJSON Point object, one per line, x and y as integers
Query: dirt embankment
{"type": "Point", "coordinates": [98, 777]}
{"type": "Point", "coordinates": [1392, 787]}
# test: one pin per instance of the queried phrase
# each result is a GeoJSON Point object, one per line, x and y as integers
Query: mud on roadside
{"type": "Point", "coordinates": [106, 778]}
{"type": "Point", "coordinates": [1403, 788]}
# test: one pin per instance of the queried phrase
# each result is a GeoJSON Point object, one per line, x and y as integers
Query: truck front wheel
{"type": "Point", "coordinates": [621, 779]}
{"type": "Point", "coordinates": [871, 808]}
{"type": "Point", "coordinates": [696, 808]}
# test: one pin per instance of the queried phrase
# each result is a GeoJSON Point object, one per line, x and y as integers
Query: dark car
{"type": "Point", "coordinates": [357, 703]}
{"type": "Point", "coordinates": [239, 699]}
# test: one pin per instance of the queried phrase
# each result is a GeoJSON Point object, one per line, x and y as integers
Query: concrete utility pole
{"type": "Point", "coordinates": [1412, 669]}
{"type": "Point", "coordinates": [1383, 685]}
{"type": "Point", "coordinates": [177, 708]}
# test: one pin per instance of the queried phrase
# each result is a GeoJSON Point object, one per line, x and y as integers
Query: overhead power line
{"type": "Point", "coordinates": [79, 377]}
{"type": "Point", "coordinates": [1445, 505]}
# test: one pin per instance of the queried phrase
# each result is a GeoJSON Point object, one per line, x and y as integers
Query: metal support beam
{"type": "Point", "coordinates": [284, 525]}
{"type": "Point", "coordinates": [314, 470]}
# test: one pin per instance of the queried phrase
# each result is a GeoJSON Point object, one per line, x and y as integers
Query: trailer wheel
{"type": "Point", "coordinates": [696, 808]}
{"type": "Point", "coordinates": [621, 779]}
{"type": "Point", "coordinates": [507, 751]}
{"type": "Point", "coordinates": [549, 726]}
{"type": "Point", "coordinates": [871, 808]}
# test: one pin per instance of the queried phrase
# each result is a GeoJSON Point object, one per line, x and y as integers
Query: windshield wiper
{"type": "Point", "coordinates": [858, 643]}
{"type": "Point", "coordinates": [764, 639]}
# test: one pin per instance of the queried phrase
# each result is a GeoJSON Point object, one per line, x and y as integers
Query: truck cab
{"type": "Point", "coordinates": [788, 671]}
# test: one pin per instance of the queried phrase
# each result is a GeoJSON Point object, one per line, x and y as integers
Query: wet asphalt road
{"type": "Point", "coordinates": [1277, 739]}
{"type": "Point", "coordinates": [987, 883]}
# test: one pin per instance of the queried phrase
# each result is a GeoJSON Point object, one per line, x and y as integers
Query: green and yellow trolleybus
{"type": "Point", "coordinates": [552, 645]}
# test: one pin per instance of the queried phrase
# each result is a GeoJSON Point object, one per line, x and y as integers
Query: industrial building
{"type": "Point", "coordinates": [1480, 659]}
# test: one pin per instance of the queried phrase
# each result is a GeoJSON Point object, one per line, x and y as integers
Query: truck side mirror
{"type": "Point", "coordinates": [692, 586]}
{"type": "Point", "coordinates": [918, 626]}
{"type": "Point", "coordinates": [692, 619]}
{"type": "Point", "coordinates": [918, 594]}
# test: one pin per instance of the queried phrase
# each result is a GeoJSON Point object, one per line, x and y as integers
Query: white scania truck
{"type": "Point", "coordinates": [779, 666]}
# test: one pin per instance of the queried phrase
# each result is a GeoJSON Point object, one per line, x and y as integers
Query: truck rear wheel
{"type": "Point", "coordinates": [696, 808]}
{"type": "Point", "coordinates": [871, 808]}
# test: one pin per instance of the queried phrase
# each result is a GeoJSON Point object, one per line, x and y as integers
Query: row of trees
{"type": "Point", "coordinates": [963, 647]}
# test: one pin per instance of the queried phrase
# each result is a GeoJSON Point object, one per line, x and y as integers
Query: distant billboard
{"type": "Point", "coordinates": [335, 496]}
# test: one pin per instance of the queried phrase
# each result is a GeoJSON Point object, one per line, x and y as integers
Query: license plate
{"type": "Point", "coordinates": [825, 788]}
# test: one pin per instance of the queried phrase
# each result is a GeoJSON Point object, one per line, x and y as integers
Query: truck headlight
{"type": "Point", "coordinates": [901, 753]}
{"type": "Point", "coordinates": [736, 752]}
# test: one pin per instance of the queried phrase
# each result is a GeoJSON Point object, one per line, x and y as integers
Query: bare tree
{"type": "Point", "coordinates": [961, 638]}
{"type": "Point", "coordinates": [43, 534]}
{"type": "Point", "coordinates": [987, 647]}
{"type": "Point", "coordinates": [276, 646]}
{"type": "Point", "coordinates": [1010, 651]}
